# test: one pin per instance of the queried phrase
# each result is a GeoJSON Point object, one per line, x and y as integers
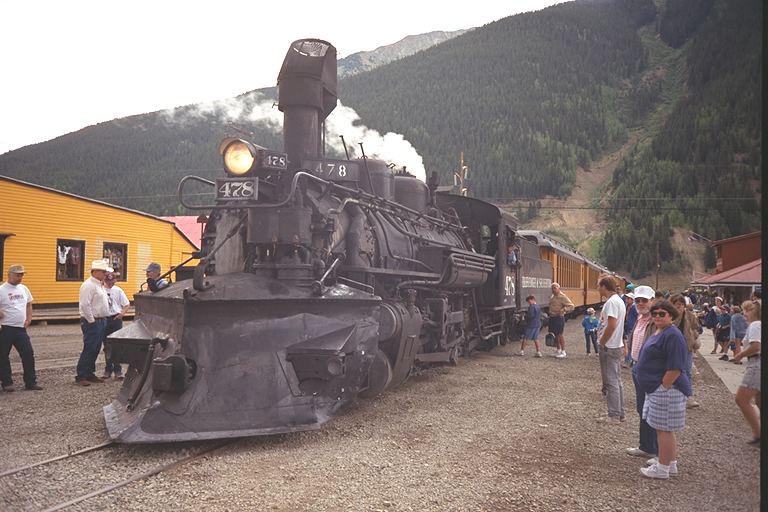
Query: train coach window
{"type": "Point", "coordinates": [69, 260]}
{"type": "Point", "coordinates": [117, 254]}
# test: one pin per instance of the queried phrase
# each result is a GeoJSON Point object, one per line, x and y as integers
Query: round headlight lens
{"type": "Point", "coordinates": [238, 158]}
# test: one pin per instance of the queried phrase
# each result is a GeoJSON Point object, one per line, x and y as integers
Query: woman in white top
{"type": "Point", "coordinates": [750, 384]}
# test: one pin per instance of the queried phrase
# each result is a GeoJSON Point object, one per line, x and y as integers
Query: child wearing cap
{"type": "Point", "coordinates": [590, 324]}
{"type": "Point", "coordinates": [533, 326]}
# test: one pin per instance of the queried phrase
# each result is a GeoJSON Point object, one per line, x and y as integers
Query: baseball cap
{"type": "Point", "coordinates": [644, 292]}
{"type": "Point", "coordinates": [153, 267]}
{"type": "Point", "coordinates": [16, 269]}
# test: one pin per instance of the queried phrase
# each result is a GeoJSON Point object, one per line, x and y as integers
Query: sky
{"type": "Point", "coordinates": [70, 64]}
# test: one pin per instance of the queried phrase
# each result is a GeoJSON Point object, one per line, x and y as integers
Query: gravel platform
{"type": "Point", "coordinates": [497, 433]}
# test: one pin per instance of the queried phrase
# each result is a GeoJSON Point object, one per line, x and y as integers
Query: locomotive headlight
{"type": "Point", "coordinates": [239, 156]}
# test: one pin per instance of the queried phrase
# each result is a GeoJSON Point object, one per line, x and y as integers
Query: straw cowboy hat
{"type": "Point", "coordinates": [101, 265]}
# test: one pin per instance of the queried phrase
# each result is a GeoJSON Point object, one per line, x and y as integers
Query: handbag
{"type": "Point", "coordinates": [549, 340]}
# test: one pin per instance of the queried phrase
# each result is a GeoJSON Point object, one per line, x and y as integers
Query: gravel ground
{"type": "Point", "coordinates": [496, 433]}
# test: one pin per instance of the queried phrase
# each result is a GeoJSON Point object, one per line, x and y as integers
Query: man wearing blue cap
{"type": "Point", "coordinates": [153, 275]}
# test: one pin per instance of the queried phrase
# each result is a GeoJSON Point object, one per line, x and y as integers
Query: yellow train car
{"type": "Point", "coordinates": [56, 235]}
{"type": "Point", "coordinates": [576, 274]}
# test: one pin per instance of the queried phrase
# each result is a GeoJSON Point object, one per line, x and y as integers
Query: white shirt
{"type": "Point", "coordinates": [117, 299]}
{"type": "Point", "coordinates": [13, 303]}
{"type": "Point", "coordinates": [752, 336]}
{"type": "Point", "coordinates": [613, 307]}
{"type": "Point", "coordinates": [93, 300]}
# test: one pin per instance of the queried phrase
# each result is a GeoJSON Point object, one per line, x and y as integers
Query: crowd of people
{"type": "Point", "coordinates": [656, 334]}
{"type": "Point", "coordinates": [102, 305]}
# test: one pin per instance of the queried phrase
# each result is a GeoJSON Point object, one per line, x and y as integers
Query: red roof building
{"type": "Point", "coordinates": [736, 251]}
{"type": "Point", "coordinates": [190, 225]}
{"type": "Point", "coordinates": [750, 274]}
{"type": "Point", "coordinates": [739, 268]}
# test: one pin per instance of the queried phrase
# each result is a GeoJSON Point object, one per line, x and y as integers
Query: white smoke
{"type": "Point", "coordinates": [253, 108]}
{"type": "Point", "coordinates": [391, 147]}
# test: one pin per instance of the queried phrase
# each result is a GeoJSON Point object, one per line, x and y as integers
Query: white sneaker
{"type": "Point", "coordinates": [655, 471]}
{"type": "Point", "coordinates": [559, 351]}
{"type": "Point", "coordinates": [672, 465]}
{"type": "Point", "coordinates": [521, 353]}
{"type": "Point", "coordinates": [538, 354]}
{"type": "Point", "coordinates": [560, 355]}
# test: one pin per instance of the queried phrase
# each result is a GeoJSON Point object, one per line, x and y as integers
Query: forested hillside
{"type": "Point", "coordinates": [527, 98]}
{"type": "Point", "coordinates": [702, 170]}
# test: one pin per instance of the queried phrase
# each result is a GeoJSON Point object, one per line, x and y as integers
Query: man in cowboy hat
{"type": "Point", "coordinates": [94, 310]}
{"type": "Point", "coordinates": [15, 317]}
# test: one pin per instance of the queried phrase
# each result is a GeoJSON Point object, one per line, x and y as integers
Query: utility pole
{"type": "Point", "coordinates": [460, 176]}
{"type": "Point", "coordinates": [658, 264]}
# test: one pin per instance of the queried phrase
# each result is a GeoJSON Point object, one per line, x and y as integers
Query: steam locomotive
{"type": "Point", "coordinates": [319, 281]}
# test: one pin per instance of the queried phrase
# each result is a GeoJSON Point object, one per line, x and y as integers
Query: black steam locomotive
{"type": "Point", "coordinates": [319, 281]}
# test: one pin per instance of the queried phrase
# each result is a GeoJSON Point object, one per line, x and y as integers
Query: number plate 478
{"type": "Point", "coordinates": [237, 189]}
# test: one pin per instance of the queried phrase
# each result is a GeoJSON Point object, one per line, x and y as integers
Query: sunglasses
{"type": "Point", "coordinates": [641, 300]}
{"type": "Point", "coordinates": [660, 314]}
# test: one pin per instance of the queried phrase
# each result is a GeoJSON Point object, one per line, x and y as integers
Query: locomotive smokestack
{"type": "Point", "coordinates": [306, 88]}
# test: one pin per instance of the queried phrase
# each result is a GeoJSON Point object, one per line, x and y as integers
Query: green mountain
{"type": "Point", "coordinates": [701, 170]}
{"type": "Point", "coordinates": [529, 100]}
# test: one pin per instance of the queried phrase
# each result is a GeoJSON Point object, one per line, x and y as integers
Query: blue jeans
{"type": "Point", "coordinates": [113, 325]}
{"type": "Point", "coordinates": [591, 337]}
{"type": "Point", "coordinates": [648, 442]}
{"type": "Point", "coordinates": [93, 337]}
{"type": "Point", "coordinates": [16, 337]}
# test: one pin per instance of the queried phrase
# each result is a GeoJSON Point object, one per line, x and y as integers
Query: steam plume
{"type": "Point", "coordinates": [253, 108]}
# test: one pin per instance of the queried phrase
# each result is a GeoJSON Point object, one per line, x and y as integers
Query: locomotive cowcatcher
{"type": "Point", "coordinates": [320, 280]}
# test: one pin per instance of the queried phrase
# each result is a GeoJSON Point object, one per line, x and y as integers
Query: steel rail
{"type": "Point", "coordinates": [135, 478]}
{"type": "Point", "coordinates": [54, 459]}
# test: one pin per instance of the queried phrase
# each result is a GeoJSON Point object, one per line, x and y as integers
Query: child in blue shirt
{"type": "Point", "coordinates": [590, 324]}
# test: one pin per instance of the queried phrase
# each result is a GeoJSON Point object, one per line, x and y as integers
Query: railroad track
{"type": "Point", "coordinates": [42, 475]}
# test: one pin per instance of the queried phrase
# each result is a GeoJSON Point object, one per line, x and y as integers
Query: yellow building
{"type": "Point", "coordinates": [56, 235]}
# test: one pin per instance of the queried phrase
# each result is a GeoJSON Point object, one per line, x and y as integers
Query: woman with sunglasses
{"type": "Point", "coordinates": [661, 374]}
{"type": "Point", "coordinates": [750, 384]}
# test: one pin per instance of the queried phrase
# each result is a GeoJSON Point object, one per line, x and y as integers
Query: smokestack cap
{"type": "Point", "coordinates": [308, 76]}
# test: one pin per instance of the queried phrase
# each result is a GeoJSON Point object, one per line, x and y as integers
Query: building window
{"type": "Point", "coordinates": [69, 260]}
{"type": "Point", "coordinates": [117, 254]}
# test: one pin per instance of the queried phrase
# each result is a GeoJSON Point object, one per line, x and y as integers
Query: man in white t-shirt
{"type": "Point", "coordinates": [15, 317]}
{"type": "Point", "coordinates": [118, 307]}
{"type": "Point", "coordinates": [610, 336]}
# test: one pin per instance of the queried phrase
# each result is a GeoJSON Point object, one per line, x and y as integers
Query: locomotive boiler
{"type": "Point", "coordinates": [320, 280]}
